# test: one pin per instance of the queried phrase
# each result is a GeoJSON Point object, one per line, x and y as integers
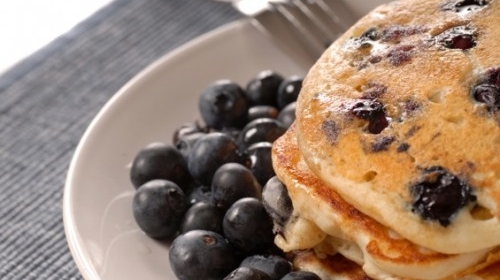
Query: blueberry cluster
{"type": "Point", "coordinates": [213, 193]}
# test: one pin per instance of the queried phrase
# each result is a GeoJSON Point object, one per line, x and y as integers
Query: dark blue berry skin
{"type": "Point", "coordinates": [233, 181]}
{"type": "Point", "coordinates": [223, 104]}
{"type": "Point", "coordinates": [159, 161]}
{"type": "Point", "coordinates": [263, 89]}
{"type": "Point", "coordinates": [288, 91]}
{"type": "Point", "coordinates": [301, 275]}
{"type": "Point", "coordinates": [231, 132]}
{"type": "Point", "coordinates": [247, 273]}
{"type": "Point", "coordinates": [458, 37]}
{"type": "Point", "coordinates": [440, 195]}
{"type": "Point", "coordinates": [199, 194]}
{"type": "Point", "coordinates": [276, 201]}
{"type": "Point", "coordinates": [260, 130]}
{"type": "Point", "coordinates": [372, 111]}
{"type": "Point", "coordinates": [209, 153]}
{"type": "Point", "coordinates": [158, 207]}
{"type": "Point", "coordinates": [488, 90]}
{"type": "Point", "coordinates": [261, 163]}
{"type": "Point", "coordinates": [287, 114]}
{"type": "Point", "coordinates": [201, 254]}
{"type": "Point", "coordinates": [262, 111]}
{"type": "Point", "coordinates": [274, 266]}
{"type": "Point", "coordinates": [203, 215]}
{"type": "Point", "coordinates": [186, 143]}
{"type": "Point", "coordinates": [186, 130]}
{"type": "Point", "coordinates": [248, 227]}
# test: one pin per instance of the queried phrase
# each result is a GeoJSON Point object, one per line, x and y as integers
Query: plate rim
{"type": "Point", "coordinates": [73, 240]}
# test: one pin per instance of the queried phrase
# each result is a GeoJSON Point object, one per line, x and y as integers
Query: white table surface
{"type": "Point", "coordinates": [26, 26]}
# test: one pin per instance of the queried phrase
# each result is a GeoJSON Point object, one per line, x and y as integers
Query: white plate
{"type": "Point", "coordinates": [100, 229]}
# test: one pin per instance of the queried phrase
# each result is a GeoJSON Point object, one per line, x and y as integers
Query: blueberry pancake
{"type": "Point", "coordinates": [401, 117]}
{"type": "Point", "coordinates": [339, 268]}
{"type": "Point", "coordinates": [325, 223]}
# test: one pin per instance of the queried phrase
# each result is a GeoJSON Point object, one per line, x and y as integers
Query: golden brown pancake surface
{"type": "Point", "coordinates": [401, 117]}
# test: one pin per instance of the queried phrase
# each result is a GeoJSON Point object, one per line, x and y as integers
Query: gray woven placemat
{"type": "Point", "coordinates": [46, 103]}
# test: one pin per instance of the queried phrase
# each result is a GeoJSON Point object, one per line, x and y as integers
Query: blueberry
{"type": "Point", "coordinates": [465, 5]}
{"type": "Point", "coordinates": [488, 94]}
{"type": "Point", "coordinates": [289, 90]}
{"type": "Point", "coordinates": [262, 111]}
{"type": "Point", "coordinates": [232, 132]}
{"type": "Point", "coordinates": [439, 195]}
{"type": "Point", "coordinates": [372, 111]}
{"type": "Point", "coordinates": [233, 181]}
{"type": "Point", "coordinates": [371, 34]}
{"type": "Point", "coordinates": [487, 90]}
{"type": "Point", "coordinates": [159, 161]}
{"type": "Point", "coordinates": [201, 254]}
{"type": "Point", "coordinates": [274, 266]}
{"type": "Point", "coordinates": [158, 207]}
{"type": "Point", "coordinates": [287, 114]}
{"type": "Point", "coordinates": [301, 275]}
{"type": "Point", "coordinates": [210, 152]}
{"type": "Point", "coordinates": [458, 37]}
{"type": "Point", "coordinates": [276, 201]}
{"type": "Point", "coordinates": [203, 215]}
{"type": "Point", "coordinates": [260, 130]}
{"type": "Point", "coordinates": [223, 103]}
{"type": "Point", "coordinates": [247, 273]}
{"type": "Point", "coordinates": [186, 143]}
{"type": "Point", "coordinates": [331, 130]}
{"type": "Point", "coordinates": [366, 39]}
{"type": "Point", "coordinates": [248, 227]}
{"type": "Point", "coordinates": [263, 89]}
{"type": "Point", "coordinates": [199, 194]}
{"type": "Point", "coordinates": [261, 163]}
{"type": "Point", "coordinates": [186, 130]}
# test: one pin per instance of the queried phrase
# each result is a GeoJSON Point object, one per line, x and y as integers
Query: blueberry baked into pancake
{"type": "Point", "coordinates": [393, 159]}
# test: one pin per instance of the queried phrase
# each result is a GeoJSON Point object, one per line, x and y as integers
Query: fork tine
{"type": "Point", "coordinates": [315, 22]}
{"type": "Point", "coordinates": [318, 21]}
{"type": "Point", "coordinates": [303, 28]}
{"type": "Point", "coordinates": [332, 15]}
{"type": "Point", "coordinates": [295, 17]}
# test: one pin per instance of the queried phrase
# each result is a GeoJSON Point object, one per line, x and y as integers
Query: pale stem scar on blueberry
{"type": "Point", "coordinates": [440, 195]}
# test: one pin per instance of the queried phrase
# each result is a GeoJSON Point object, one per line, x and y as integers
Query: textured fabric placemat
{"type": "Point", "coordinates": [46, 103]}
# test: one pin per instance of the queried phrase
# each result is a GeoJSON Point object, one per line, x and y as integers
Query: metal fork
{"type": "Point", "coordinates": [304, 28]}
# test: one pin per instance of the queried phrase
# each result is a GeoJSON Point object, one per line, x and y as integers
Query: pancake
{"type": "Point", "coordinates": [326, 223]}
{"type": "Point", "coordinates": [334, 267]}
{"type": "Point", "coordinates": [339, 268]}
{"type": "Point", "coordinates": [401, 117]}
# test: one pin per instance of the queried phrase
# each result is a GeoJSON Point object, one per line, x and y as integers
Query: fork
{"type": "Point", "coordinates": [303, 28]}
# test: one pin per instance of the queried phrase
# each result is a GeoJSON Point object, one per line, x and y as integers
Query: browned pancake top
{"type": "Point", "coordinates": [406, 98]}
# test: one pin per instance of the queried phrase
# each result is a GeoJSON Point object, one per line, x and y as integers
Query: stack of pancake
{"type": "Point", "coordinates": [393, 164]}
